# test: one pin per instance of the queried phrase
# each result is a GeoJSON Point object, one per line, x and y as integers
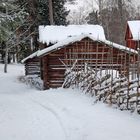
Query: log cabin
{"type": "Point", "coordinates": [50, 35]}
{"type": "Point", "coordinates": [132, 35]}
{"type": "Point", "coordinates": [89, 47]}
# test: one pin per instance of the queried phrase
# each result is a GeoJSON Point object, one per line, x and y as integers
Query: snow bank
{"type": "Point", "coordinates": [58, 114]}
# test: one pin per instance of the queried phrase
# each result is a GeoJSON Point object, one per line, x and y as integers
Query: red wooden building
{"type": "Point", "coordinates": [88, 48]}
{"type": "Point", "coordinates": [132, 35]}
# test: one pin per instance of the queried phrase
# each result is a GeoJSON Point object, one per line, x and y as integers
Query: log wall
{"type": "Point", "coordinates": [32, 66]}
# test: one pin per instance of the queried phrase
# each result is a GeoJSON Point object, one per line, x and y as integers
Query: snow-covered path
{"type": "Point", "coordinates": [61, 114]}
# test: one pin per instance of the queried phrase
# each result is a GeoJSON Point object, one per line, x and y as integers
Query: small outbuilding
{"type": "Point", "coordinates": [87, 44]}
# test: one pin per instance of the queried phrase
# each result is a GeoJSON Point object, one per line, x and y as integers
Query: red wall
{"type": "Point", "coordinates": [129, 39]}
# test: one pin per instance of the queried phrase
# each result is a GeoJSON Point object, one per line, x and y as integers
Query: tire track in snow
{"type": "Point", "coordinates": [55, 115]}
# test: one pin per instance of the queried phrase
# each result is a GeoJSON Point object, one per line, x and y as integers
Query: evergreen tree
{"type": "Point", "coordinates": [26, 16]}
{"type": "Point", "coordinates": [11, 16]}
{"type": "Point", "coordinates": [39, 15]}
{"type": "Point", "coordinates": [59, 12]}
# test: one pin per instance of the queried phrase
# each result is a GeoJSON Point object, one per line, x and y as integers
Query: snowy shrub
{"type": "Point", "coordinates": [32, 80]}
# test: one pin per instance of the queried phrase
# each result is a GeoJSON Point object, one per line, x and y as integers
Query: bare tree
{"type": "Point", "coordinates": [112, 15]}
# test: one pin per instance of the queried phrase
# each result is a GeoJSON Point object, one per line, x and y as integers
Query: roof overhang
{"type": "Point", "coordinates": [71, 40]}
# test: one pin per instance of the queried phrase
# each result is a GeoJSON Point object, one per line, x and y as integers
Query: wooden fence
{"type": "Point", "coordinates": [107, 85]}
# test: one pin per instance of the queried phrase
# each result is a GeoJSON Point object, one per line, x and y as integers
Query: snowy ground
{"type": "Point", "coordinates": [62, 114]}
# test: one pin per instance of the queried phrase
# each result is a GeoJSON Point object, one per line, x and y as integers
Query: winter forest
{"type": "Point", "coordinates": [19, 24]}
{"type": "Point", "coordinates": [20, 20]}
{"type": "Point", "coordinates": [69, 69]}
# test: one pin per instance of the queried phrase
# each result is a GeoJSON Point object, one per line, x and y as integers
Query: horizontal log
{"type": "Point", "coordinates": [32, 63]}
{"type": "Point", "coordinates": [57, 78]}
{"type": "Point", "coordinates": [34, 67]}
{"type": "Point", "coordinates": [56, 81]}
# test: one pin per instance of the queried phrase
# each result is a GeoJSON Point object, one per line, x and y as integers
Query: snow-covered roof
{"type": "Point", "coordinates": [135, 29]}
{"type": "Point", "coordinates": [30, 56]}
{"type": "Point", "coordinates": [54, 34]}
{"type": "Point", "coordinates": [118, 46]}
{"type": "Point", "coordinates": [73, 39]}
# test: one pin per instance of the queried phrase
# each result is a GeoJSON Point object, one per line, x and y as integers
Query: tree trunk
{"type": "Point", "coordinates": [6, 60]}
{"type": "Point", "coordinates": [51, 12]}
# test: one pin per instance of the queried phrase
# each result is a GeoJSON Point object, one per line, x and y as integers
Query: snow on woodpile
{"type": "Point", "coordinates": [53, 34]}
{"type": "Point", "coordinates": [135, 29]}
